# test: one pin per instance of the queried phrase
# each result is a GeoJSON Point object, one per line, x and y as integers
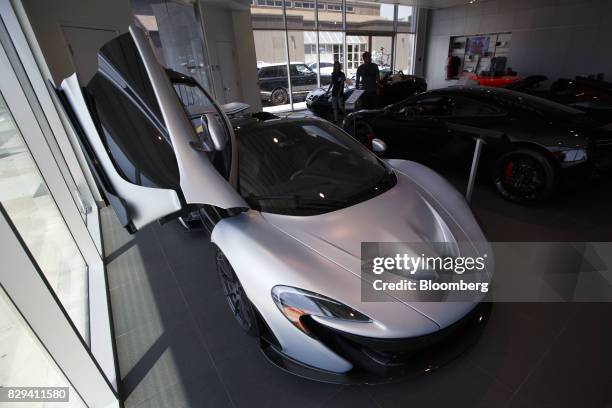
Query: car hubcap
{"type": "Point", "coordinates": [522, 177]}
{"type": "Point", "coordinates": [278, 97]}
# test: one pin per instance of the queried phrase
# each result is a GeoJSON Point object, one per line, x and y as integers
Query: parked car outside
{"type": "Point", "coordinates": [326, 68]}
{"type": "Point", "coordinates": [273, 85]}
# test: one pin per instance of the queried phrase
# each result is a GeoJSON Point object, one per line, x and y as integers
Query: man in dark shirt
{"type": "Point", "coordinates": [337, 89]}
{"type": "Point", "coordinates": [368, 74]}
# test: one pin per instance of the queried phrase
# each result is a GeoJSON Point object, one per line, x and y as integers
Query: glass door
{"type": "Point", "coordinates": [57, 132]}
{"type": "Point", "coordinates": [380, 46]}
{"type": "Point", "coordinates": [25, 196]}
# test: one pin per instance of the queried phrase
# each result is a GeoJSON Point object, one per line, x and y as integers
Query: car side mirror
{"type": "Point", "coordinates": [215, 130]}
{"type": "Point", "coordinates": [378, 146]}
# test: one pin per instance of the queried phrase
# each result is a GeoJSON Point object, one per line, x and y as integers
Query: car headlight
{"type": "Point", "coordinates": [295, 303]}
{"type": "Point", "coordinates": [570, 155]}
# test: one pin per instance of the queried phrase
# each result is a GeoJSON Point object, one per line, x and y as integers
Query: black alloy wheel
{"type": "Point", "coordinates": [524, 176]}
{"type": "Point", "coordinates": [279, 96]}
{"type": "Point", "coordinates": [238, 302]}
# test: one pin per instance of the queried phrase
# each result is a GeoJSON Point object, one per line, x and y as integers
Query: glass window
{"type": "Point", "coordinates": [25, 363]}
{"type": "Point", "coordinates": [541, 106]}
{"type": "Point", "coordinates": [404, 50]}
{"type": "Point", "coordinates": [134, 133]}
{"type": "Point", "coordinates": [301, 18]}
{"type": "Point", "coordinates": [175, 35]}
{"type": "Point", "coordinates": [305, 168]}
{"type": "Point", "coordinates": [191, 96]}
{"type": "Point", "coordinates": [31, 208]}
{"type": "Point", "coordinates": [470, 107]}
{"type": "Point", "coordinates": [330, 15]}
{"type": "Point", "coordinates": [302, 69]}
{"type": "Point", "coordinates": [367, 16]}
{"type": "Point", "coordinates": [303, 80]}
{"type": "Point", "coordinates": [271, 54]}
{"type": "Point", "coordinates": [268, 72]}
{"type": "Point", "coordinates": [405, 19]}
{"type": "Point", "coordinates": [381, 52]}
{"type": "Point", "coordinates": [331, 46]}
{"type": "Point", "coordinates": [267, 18]}
{"type": "Point", "coordinates": [427, 106]}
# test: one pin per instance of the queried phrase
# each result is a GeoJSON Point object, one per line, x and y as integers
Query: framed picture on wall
{"type": "Point", "coordinates": [477, 45]}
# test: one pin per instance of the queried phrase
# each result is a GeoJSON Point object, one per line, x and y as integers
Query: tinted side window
{"type": "Point", "coordinates": [470, 107]}
{"type": "Point", "coordinates": [302, 69]}
{"type": "Point", "coordinates": [428, 106]}
{"type": "Point", "coordinates": [139, 149]}
{"type": "Point", "coordinates": [191, 96]}
{"type": "Point", "coordinates": [128, 118]}
{"type": "Point", "coordinates": [282, 70]}
{"type": "Point", "coordinates": [268, 72]}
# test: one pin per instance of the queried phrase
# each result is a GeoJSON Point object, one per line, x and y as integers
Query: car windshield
{"type": "Point", "coordinates": [306, 167]}
{"type": "Point", "coordinates": [541, 106]}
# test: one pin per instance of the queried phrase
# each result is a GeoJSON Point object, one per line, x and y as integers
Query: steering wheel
{"type": "Point", "coordinates": [313, 157]}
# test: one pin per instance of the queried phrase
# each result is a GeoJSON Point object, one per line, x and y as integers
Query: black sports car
{"type": "Point", "coordinates": [538, 142]}
{"type": "Point", "coordinates": [592, 96]}
{"type": "Point", "coordinates": [395, 87]}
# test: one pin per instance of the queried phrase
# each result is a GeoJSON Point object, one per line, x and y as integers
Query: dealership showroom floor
{"type": "Point", "coordinates": [179, 346]}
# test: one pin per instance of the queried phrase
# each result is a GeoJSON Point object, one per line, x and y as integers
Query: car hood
{"type": "Point", "coordinates": [405, 213]}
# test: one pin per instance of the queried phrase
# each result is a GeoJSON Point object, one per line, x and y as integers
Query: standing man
{"type": "Point", "coordinates": [369, 75]}
{"type": "Point", "coordinates": [337, 89]}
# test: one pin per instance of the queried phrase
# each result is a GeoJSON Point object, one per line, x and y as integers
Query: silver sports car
{"type": "Point", "coordinates": [288, 203]}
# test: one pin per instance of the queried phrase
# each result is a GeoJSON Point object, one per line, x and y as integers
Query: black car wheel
{"type": "Point", "coordinates": [279, 96]}
{"type": "Point", "coordinates": [524, 176]}
{"type": "Point", "coordinates": [238, 302]}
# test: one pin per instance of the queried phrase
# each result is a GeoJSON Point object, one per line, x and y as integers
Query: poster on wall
{"type": "Point", "coordinates": [477, 45]}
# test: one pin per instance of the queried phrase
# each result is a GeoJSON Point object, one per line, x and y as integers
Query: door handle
{"type": "Point", "coordinates": [83, 207]}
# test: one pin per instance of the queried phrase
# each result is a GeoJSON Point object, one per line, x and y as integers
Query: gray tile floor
{"type": "Point", "coordinates": [179, 347]}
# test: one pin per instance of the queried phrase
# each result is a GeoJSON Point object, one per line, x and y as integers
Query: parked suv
{"type": "Point", "coordinates": [272, 80]}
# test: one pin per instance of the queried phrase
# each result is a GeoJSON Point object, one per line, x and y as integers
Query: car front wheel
{"type": "Point", "coordinates": [525, 176]}
{"type": "Point", "coordinates": [236, 298]}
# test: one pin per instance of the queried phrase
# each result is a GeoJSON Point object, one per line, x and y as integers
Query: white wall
{"type": "Point", "coordinates": [556, 38]}
{"type": "Point", "coordinates": [46, 18]}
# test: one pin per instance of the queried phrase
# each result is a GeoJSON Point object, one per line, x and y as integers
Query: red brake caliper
{"type": "Point", "coordinates": [508, 171]}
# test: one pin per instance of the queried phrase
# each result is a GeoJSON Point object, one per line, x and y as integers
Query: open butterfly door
{"type": "Point", "coordinates": [142, 144]}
